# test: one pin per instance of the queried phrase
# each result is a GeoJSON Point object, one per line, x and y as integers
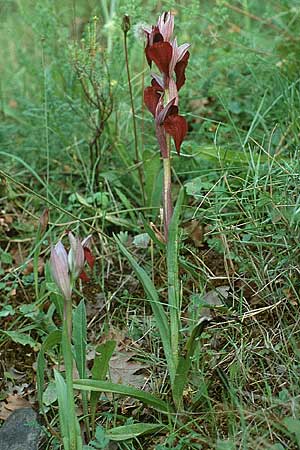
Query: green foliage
{"type": "Point", "coordinates": [101, 440]}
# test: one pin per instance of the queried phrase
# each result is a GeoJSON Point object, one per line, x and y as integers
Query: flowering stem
{"type": "Point", "coordinates": [167, 198]}
{"type": "Point", "coordinates": [68, 317]}
{"type": "Point", "coordinates": [68, 362]}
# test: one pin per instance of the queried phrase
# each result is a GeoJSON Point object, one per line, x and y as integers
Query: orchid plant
{"type": "Point", "coordinates": [162, 98]}
{"type": "Point", "coordinates": [66, 268]}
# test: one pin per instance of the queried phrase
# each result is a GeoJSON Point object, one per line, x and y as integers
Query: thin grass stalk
{"type": "Point", "coordinates": [46, 121]}
{"type": "Point", "coordinates": [36, 254]}
{"type": "Point", "coordinates": [138, 161]}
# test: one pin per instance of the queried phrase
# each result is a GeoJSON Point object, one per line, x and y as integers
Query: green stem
{"type": "Point", "coordinates": [68, 317]}
{"type": "Point", "coordinates": [167, 198]}
{"type": "Point", "coordinates": [68, 361]}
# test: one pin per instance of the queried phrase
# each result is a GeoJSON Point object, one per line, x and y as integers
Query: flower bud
{"type": "Point", "coordinates": [60, 269]}
{"type": "Point", "coordinates": [76, 256]}
{"type": "Point", "coordinates": [126, 23]}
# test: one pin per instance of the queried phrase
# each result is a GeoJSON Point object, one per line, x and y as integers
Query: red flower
{"type": "Point", "coordinates": [167, 120]}
{"type": "Point", "coordinates": [88, 257]}
{"type": "Point", "coordinates": [161, 54]}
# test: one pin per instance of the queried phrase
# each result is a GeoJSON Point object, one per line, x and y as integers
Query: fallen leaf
{"type": "Point", "coordinates": [124, 371]}
{"type": "Point", "coordinates": [195, 231]}
{"type": "Point", "coordinates": [214, 298]}
{"type": "Point", "coordinates": [10, 404]}
{"type": "Point", "coordinates": [29, 267]}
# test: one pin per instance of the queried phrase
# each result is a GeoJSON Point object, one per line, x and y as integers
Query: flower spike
{"type": "Point", "coordinates": [161, 98]}
{"type": "Point", "coordinates": [171, 61]}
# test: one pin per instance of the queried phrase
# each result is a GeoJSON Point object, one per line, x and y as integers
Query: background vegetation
{"type": "Point", "coordinates": [239, 224]}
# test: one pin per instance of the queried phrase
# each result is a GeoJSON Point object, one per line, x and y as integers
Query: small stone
{"type": "Point", "coordinates": [20, 431]}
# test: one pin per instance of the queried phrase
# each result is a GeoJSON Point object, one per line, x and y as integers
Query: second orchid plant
{"type": "Point", "coordinates": [66, 268]}
{"type": "Point", "coordinates": [162, 97]}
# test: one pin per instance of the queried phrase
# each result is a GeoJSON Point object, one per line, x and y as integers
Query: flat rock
{"type": "Point", "coordinates": [20, 431]}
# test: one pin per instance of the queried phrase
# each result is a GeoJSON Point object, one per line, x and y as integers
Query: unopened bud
{"type": "Point", "coordinates": [126, 23]}
{"type": "Point", "coordinates": [60, 270]}
{"type": "Point", "coordinates": [75, 256]}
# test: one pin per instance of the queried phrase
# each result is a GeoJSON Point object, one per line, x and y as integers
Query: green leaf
{"type": "Point", "coordinates": [83, 201]}
{"type": "Point", "coordinates": [80, 338]}
{"type": "Point", "coordinates": [5, 257]}
{"type": "Point", "coordinates": [101, 361]}
{"type": "Point", "coordinates": [293, 426]}
{"type": "Point", "coordinates": [131, 431]}
{"type": "Point", "coordinates": [62, 395]}
{"type": "Point", "coordinates": [101, 440]}
{"type": "Point", "coordinates": [141, 240]}
{"type": "Point", "coordinates": [20, 338]}
{"type": "Point", "coordinates": [185, 360]}
{"type": "Point", "coordinates": [101, 437]}
{"type": "Point", "coordinates": [106, 386]}
{"type": "Point", "coordinates": [180, 380]}
{"type": "Point", "coordinates": [7, 310]}
{"type": "Point", "coordinates": [50, 394]}
{"type": "Point", "coordinates": [225, 445]}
